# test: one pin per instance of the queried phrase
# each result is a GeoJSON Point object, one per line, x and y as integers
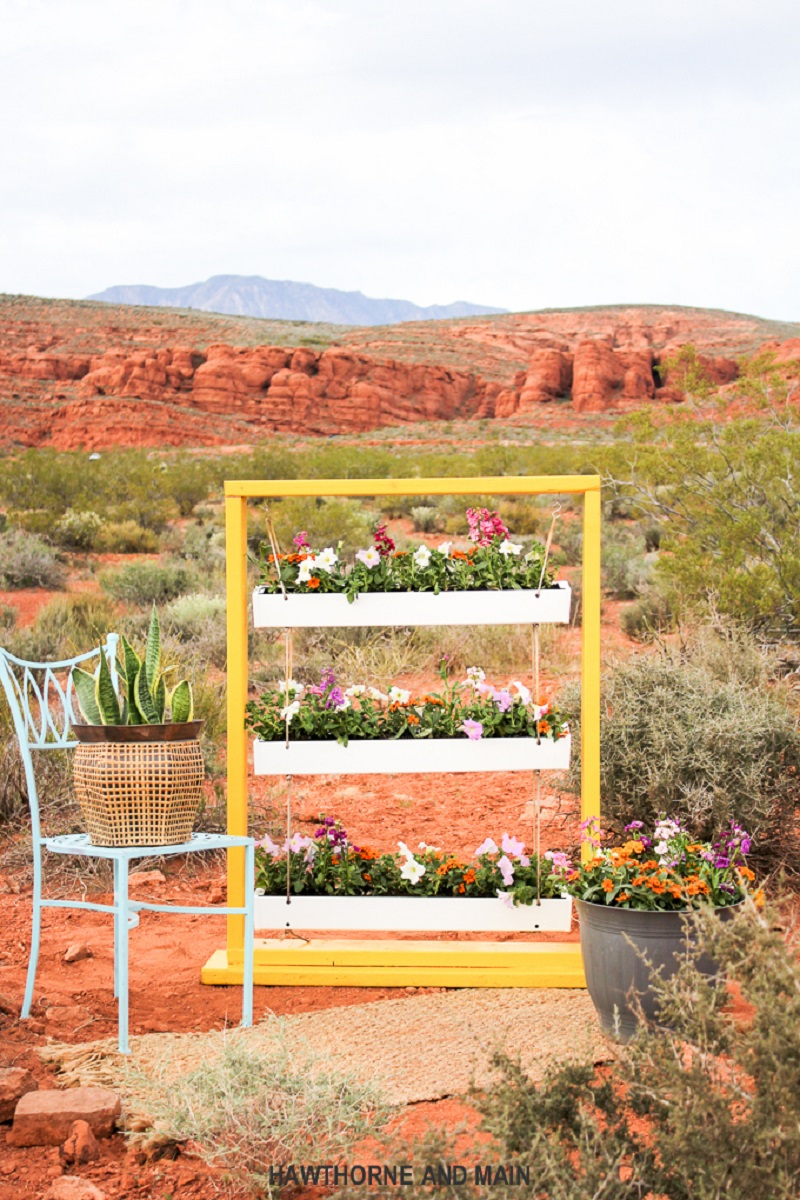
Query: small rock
{"type": "Point", "coordinates": [68, 1014]}
{"type": "Point", "coordinates": [76, 952]}
{"type": "Point", "coordinates": [8, 1006]}
{"type": "Point", "coordinates": [216, 895]}
{"type": "Point", "coordinates": [15, 1082]}
{"type": "Point", "coordinates": [72, 1187]}
{"type": "Point", "coordinates": [45, 1118]}
{"type": "Point", "coordinates": [139, 877]}
{"type": "Point", "coordinates": [81, 1145]}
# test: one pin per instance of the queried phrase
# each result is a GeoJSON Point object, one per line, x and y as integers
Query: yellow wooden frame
{"type": "Point", "coordinates": [399, 963]}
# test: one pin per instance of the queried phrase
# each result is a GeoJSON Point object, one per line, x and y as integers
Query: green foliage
{"type": "Point", "coordinates": [255, 1108]}
{"type": "Point", "coordinates": [694, 735]}
{"type": "Point", "coordinates": [652, 614]}
{"type": "Point", "coordinates": [144, 692]}
{"type": "Point", "coordinates": [126, 537]}
{"type": "Point", "coordinates": [426, 518]}
{"type": "Point", "coordinates": [626, 571]}
{"type": "Point", "coordinates": [66, 626]}
{"type": "Point", "coordinates": [685, 371]}
{"type": "Point", "coordinates": [77, 530]}
{"type": "Point", "coordinates": [26, 561]}
{"type": "Point", "coordinates": [327, 522]}
{"type": "Point", "coordinates": [146, 583]}
{"type": "Point", "coordinates": [728, 503]}
{"type": "Point", "coordinates": [198, 621]}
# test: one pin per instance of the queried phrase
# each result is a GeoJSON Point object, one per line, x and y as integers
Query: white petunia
{"type": "Point", "coordinates": [290, 711]}
{"type": "Point", "coordinates": [522, 692]}
{"type": "Point", "coordinates": [290, 685]}
{"type": "Point", "coordinates": [326, 559]}
{"type": "Point", "coordinates": [376, 694]}
{"type": "Point", "coordinates": [445, 548]}
{"type": "Point", "coordinates": [370, 558]}
{"type": "Point", "coordinates": [422, 556]}
{"type": "Point", "coordinates": [412, 870]}
{"type": "Point", "coordinates": [356, 689]}
{"type": "Point", "coordinates": [405, 850]}
{"type": "Point", "coordinates": [399, 695]}
{"type": "Point", "coordinates": [506, 547]}
{"type": "Point", "coordinates": [343, 706]}
{"type": "Point", "coordinates": [306, 570]}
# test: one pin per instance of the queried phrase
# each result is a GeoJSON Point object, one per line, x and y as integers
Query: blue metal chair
{"type": "Point", "coordinates": [42, 712]}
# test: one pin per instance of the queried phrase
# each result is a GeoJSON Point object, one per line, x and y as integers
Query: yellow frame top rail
{"type": "Point", "coordinates": [523, 485]}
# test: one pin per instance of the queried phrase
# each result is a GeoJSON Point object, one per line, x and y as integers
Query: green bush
{"type": "Point", "coordinates": [148, 582]}
{"type": "Point", "coordinates": [8, 618]}
{"type": "Point", "coordinates": [327, 522]}
{"type": "Point", "coordinates": [26, 561]}
{"type": "Point", "coordinates": [626, 571]}
{"type": "Point", "coordinates": [255, 1108]}
{"type": "Point", "coordinates": [126, 537]}
{"type": "Point", "coordinates": [651, 615]}
{"type": "Point", "coordinates": [67, 626]}
{"type": "Point", "coordinates": [77, 530]}
{"type": "Point", "coordinates": [199, 620]}
{"type": "Point", "coordinates": [426, 519]}
{"type": "Point", "coordinates": [691, 734]}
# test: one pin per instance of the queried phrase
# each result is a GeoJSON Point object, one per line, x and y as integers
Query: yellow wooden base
{"type": "Point", "coordinates": [346, 963]}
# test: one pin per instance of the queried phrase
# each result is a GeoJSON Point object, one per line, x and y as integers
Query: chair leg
{"type": "Point", "coordinates": [249, 936]}
{"type": "Point", "coordinates": [36, 929]}
{"type": "Point", "coordinates": [116, 929]}
{"type": "Point", "coordinates": [121, 953]}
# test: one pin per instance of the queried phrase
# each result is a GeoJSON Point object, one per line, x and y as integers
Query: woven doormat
{"type": "Point", "coordinates": [421, 1047]}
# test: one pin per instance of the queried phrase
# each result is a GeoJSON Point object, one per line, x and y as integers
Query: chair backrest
{"type": "Point", "coordinates": [41, 698]}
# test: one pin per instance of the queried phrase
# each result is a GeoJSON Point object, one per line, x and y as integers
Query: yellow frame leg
{"type": "Point", "coordinates": [399, 963]}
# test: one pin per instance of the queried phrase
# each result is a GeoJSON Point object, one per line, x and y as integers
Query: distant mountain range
{"type": "Point", "coordinates": [253, 296]}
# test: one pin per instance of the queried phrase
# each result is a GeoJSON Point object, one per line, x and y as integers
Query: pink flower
{"type": "Point", "coordinates": [506, 870]}
{"type": "Point", "coordinates": [473, 729]}
{"type": "Point", "coordinates": [301, 540]}
{"type": "Point", "coordinates": [487, 847]}
{"type": "Point", "coordinates": [512, 845]}
{"type": "Point", "coordinates": [507, 898]}
{"type": "Point", "coordinates": [270, 846]}
{"type": "Point", "coordinates": [484, 526]}
{"type": "Point", "coordinates": [559, 860]}
{"type": "Point", "coordinates": [502, 698]}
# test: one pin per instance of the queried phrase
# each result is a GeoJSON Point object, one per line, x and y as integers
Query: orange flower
{"type": "Point", "coordinates": [608, 886]}
{"type": "Point", "coordinates": [470, 876]}
{"type": "Point", "coordinates": [400, 554]}
{"type": "Point", "coordinates": [746, 873]}
{"type": "Point", "coordinates": [622, 897]}
{"type": "Point", "coordinates": [544, 727]}
{"type": "Point", "coordinates": [758, 899]}
{"type": "Point", "coordinates": [412, 719]}
{"type": "Point", "coordinates": [461, 888]}
{"type": "Point", "coordinates": [313, 583]}
{"type": "Point", "coordinates": [368, 878]}
{"type": "Point", "coordinates": [457, 554]}
{"type": "Point", "coordinates": [442, 870]}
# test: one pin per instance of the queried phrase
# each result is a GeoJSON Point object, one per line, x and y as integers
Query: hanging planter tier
{"type": "Point", "coordinates": [409, 756]}
{"type": "Point", "coordinates": [415, 914]}
{"type": "Point", "coordinates": [550, 606]}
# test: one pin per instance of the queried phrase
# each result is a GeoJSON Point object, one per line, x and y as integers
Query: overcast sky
{"type": "Point", "coordinates": [520, 153]}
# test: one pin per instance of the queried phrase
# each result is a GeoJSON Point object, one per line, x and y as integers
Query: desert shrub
{"type": "Point", "coordinates": [204, 545]}
{"type": "Point", "coordinates": [126, 537]}
{"type": "Point", "coordinates": [199, 620]}
{"type": "Point", "coordinates": [149, 582]}
{"type": "Point", "coordinates": [254, 1109]}
{"type": "Point", "coordinates": [67, 626]}
{"type": "Point", "coordinates": [8, 618]}
{"type": "Point", "coordinates": [26, 561]}
{"type": "Point", "coordinates": [626, 571]}
{"type": "Point", "coordinates": [728, 503]}
{"type": "Point", "coordinates": [426, 519]}
{"type": "Point", "coordinates": [680, 736]}
{"type": "Point", "coordinates": [77, 530]}
{"type": "Point", "coordinates": [652, 614]}
{"type": "Point", "coordinates": [568, 537]}
{"type": "Point", "coordinates": [327, 522]}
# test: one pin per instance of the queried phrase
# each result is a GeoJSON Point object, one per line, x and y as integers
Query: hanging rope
{"type": "Point", "coordinates": [535, 671]}
{"type": "Point", "coordinates": [537, 834]}
{"type": "Point", "coordinates": [288, 839]}
{"type": "Point", "coordinates": [549, 542]}
{"type": "Point", "coordinates": [287, 678]}
{"type": "Point", "coordinates": [275, 548]}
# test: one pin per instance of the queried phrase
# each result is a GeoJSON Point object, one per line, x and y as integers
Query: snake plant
{"type": "Point", "coordinates": [142, 698]}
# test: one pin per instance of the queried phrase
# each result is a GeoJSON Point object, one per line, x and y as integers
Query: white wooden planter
{"type": "Point", "coordinates": [410, 756]}
{"type": "Point", "coordinates": [429, 914]}
{"type": "Point", "coordinates": [549, 606]}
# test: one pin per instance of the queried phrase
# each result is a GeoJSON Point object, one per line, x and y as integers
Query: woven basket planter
{"type": "Point", "coordinates": [142, 792]}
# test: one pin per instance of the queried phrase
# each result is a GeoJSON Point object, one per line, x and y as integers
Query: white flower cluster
{"type": "Point", "coordinates": [325, 561]}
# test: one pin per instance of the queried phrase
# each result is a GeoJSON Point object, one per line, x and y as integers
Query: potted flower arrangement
{"type": "Point", "coordinates": [633, 901]}
{"type": "Point", "coordinates": [138, 775]}
{"type": "Point", "coordinates": [493, 582]}
{"type": "Point", "coordinates": [467, 726]}
{"type": "Point", "coordinates": [335, 884]}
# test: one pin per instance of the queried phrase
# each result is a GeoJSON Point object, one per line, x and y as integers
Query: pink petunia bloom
{"type": "Point", "coordinates": [270, 846]}
{"type": "Point", "coordinates": [506, 870]}
{"type": "Point", "coordinates": [487, 847]}
{"type": "Point", "coordinates": [512, 845]}
{"type": "Point", "coordinates": [502, 698]}
{"type": "Point", "coordinates": [301, 540]}
{"type": "Point", "coordinates": [507, 898]}
{"type": "Point", "coordinates": [473, 729]}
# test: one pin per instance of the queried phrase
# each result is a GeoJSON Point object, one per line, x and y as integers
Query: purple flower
{"type": "Point", "coordinates": [473, 729]}
{"type": "Point", "coordinates": [634, 825]}
{"type": "Point", "coordinates": [301, 539]}
{"type": "Point", "coordinates": [335, 698]}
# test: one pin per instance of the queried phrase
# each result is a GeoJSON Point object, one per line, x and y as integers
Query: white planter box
{"type": "Point", "coordinates": [428, 914]}
{"type": "Point", "coordinates": [409, 756]}
{"type": "Point", "coordinates": [549, 606]}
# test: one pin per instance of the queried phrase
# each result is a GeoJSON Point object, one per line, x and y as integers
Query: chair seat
{"type": "Point", "coordinates": [79, 843]}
